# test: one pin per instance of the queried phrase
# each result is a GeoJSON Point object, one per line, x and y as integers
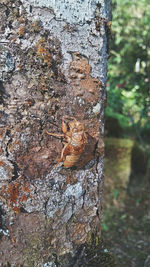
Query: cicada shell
{"type": "Point", "coordinates": [74, 141]}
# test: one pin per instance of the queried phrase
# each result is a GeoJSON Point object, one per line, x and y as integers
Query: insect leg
{"type": "Point", "coordinates": [54, 134]}
{"type": "Point", "coordinates": [62, 155]}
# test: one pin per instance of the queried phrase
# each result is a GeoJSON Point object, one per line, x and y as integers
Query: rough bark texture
{"type": "Point", "coordinates": [53, 62]}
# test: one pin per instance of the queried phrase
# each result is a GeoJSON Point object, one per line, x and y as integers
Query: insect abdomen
{"type": "Point", "coordinates": [71, 160]}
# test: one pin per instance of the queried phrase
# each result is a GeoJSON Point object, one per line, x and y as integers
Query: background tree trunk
{"type": "Point", "coordinates": [53, 58]}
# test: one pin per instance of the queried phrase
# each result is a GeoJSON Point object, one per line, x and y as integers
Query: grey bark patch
{"type": "Point", "coordinates": [7, 61]}
{"type": "Point", "coordinates": [71, 11]}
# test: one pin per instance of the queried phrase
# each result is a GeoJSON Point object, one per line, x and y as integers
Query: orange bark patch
{"type": "Point", "coordinates": [43, 52]}
{"type": "Point", "coordinates": [25, 189]}
{"type": "Point", "coordinates": [21, 31]}
{"type": "Point", "coordinates": [90, 84]}
{"type": "Point", "coordinates": [15, 194]}
{"type": "Point", "coordinates": [1, 163]}
{"type": "Point", "coordinates": [80, 65]}
{"type": "Point", "coordinates": [16, 209]}
{"type": "Point", "coordinates": [82, 82]}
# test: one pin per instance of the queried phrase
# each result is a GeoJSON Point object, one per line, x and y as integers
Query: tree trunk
{"type": "Point", "coordinates": [53, 58]}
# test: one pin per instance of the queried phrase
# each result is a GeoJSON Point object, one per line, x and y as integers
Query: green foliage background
{"type": "Point", "coordinates": [129, 67]}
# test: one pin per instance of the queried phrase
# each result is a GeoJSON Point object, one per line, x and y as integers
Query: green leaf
{"type": "Point", "coordinates": [105, 227]}
{"type": "Point", "coordinates": [115, 193]}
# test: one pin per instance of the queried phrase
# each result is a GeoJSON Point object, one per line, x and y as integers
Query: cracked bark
{"type": "Point", "coordinates": [53, 63]}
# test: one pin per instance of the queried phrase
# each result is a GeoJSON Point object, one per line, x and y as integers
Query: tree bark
{"type": "Point", "coordinates": [53, 63]}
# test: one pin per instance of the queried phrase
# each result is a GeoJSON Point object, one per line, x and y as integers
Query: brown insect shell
{"type": "Point", "coordinates": [78, 136]}
{"type": "Point", "coordinates": [76, 139]}
{"type": "Point", "coordinates": [76, 126]}
{"type": "Point", "coordinates": [71, 160]}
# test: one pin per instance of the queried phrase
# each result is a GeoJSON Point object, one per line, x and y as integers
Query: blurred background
{"type": "Point", "coordinates": [126, 220]}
